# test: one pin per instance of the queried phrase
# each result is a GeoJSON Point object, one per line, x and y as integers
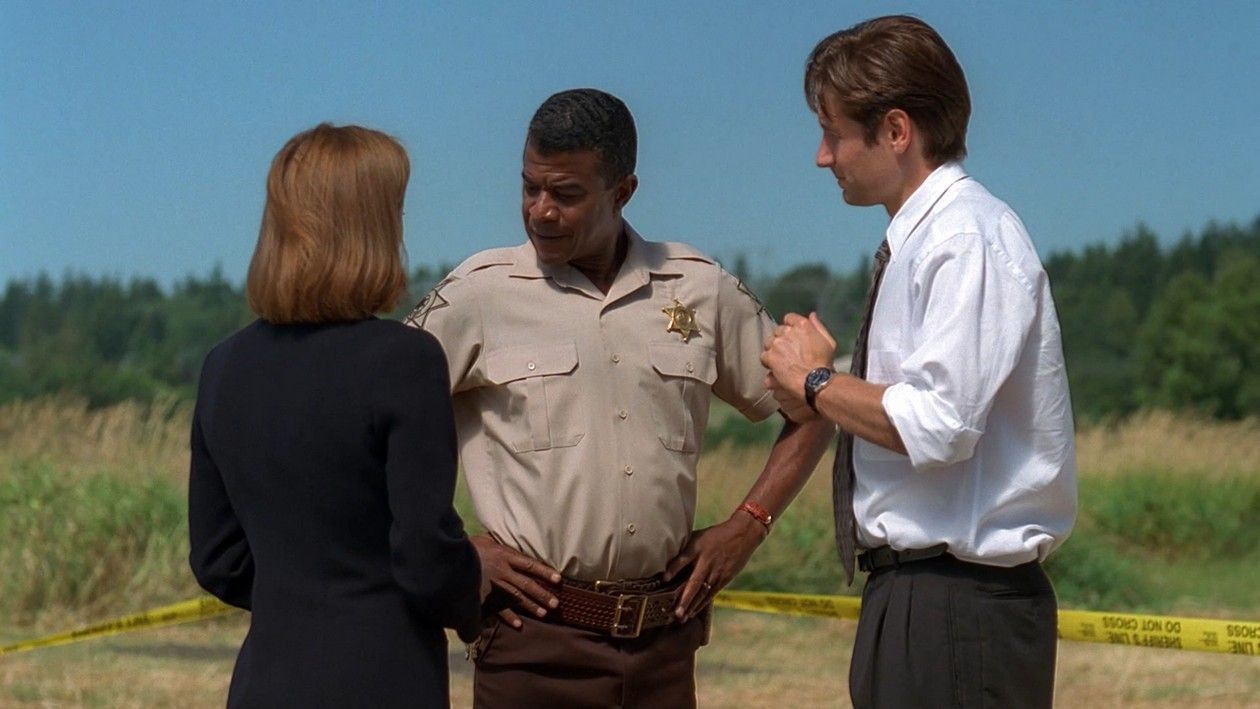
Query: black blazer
{"type": "Point", "coordinates": [320, 491]}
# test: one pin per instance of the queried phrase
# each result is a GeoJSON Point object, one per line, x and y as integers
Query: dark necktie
{"type": "Point", "coordinates": [842, 468]}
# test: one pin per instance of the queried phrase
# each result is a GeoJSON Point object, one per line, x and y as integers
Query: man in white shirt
{"type": "Point", "coordinates": [956, 469]}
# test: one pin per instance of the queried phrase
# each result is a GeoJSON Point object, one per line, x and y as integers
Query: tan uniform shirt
{"type": "Point", "coordinates": [579, 415]}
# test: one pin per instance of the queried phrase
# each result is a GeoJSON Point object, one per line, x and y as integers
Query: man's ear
{"type": "Point", "coordinates": [899, 130]}
{"type": "Point", "coordinates": [625, 190]}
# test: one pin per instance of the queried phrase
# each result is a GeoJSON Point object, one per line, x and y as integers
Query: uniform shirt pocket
{"type": "Point", "coordinates": [687, 373]}
{"type": "Point", "coordinates": [537, 384]}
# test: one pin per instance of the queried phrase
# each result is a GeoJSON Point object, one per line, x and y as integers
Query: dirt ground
{"type": "Point", "coordinates": [754, 661]}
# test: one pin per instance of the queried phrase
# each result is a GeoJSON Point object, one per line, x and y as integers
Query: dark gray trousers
{"type": "Point", "coordinates": [947, 633]}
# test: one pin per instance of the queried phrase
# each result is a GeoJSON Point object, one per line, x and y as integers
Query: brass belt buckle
{"type": "Point", "coordinates": [636, 605]}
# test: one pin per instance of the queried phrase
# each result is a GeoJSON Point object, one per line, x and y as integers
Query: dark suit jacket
{"type": "Point", "coordinates": [322, 476]}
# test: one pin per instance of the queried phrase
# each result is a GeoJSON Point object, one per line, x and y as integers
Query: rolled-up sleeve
{"type": "Point", "coordinates": [973, 312]}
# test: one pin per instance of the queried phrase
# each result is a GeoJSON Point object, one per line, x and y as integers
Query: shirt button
{"type": "Point", "coordinates": [616, 358]}
{"type": "Point", "coordinates": [623, 413]}
{"type": "Point", "coordinates": [631, 529]}
{"type": "Point", "coordinates": [531, 366]}
{"type": "Point", "coordinates": [690, 368]}
{"type": "Point", "coordinates": [629, 470]}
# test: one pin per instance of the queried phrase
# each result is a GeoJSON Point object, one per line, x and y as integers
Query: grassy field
{"type": "Point", "coordinates": [92, 525]}
{"type": "Point", "coordinates": [754, 661]}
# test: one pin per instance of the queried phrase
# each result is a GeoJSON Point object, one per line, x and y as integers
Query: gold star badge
{"type": "Point", "coordinates": [682, 320]}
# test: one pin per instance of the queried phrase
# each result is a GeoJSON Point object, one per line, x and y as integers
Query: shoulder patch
{"type": "Point", "coordinates": [430, 302]}
{"type": "Point", "coordinates": [743, 288]}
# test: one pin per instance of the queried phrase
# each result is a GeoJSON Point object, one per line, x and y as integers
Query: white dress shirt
{"type": "Point", "coordinates": [965, 332]}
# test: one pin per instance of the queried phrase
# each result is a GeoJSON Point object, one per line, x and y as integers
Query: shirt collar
{"type": "Point", "coordinates": [527, 264]}
{"type": "Point", "coordinates": [643, 258]}
{"type": "Point", "coordinates": [921, 202]}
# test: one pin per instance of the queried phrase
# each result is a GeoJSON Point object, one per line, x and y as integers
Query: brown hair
{"type": "Point", "coordinates": [330, 245]}
{"type": "Point", "coordinates": [894, 62]}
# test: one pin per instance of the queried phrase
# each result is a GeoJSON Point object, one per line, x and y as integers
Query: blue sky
{"type": "Point", "coordinates": [135, 137]}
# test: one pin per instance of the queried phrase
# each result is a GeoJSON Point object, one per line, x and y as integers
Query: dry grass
{"type": "Point", "coordinates": [726, 473]}
{"type": "Point", "coordinates": [149, 438]}
{"type": "Point", "coordinates": [1159, 441]}
{"type": "Point", "coordinates": [754, 661]}
{"type": "Point", "coordinates": [132, 440]}
{"type": "Point", "coordinates": [1094, 675]}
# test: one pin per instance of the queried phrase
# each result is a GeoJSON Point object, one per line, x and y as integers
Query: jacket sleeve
{"type": "Point", "coordinates": [432, 558]}
{"type": "Point", "coordinates": [220, 557]}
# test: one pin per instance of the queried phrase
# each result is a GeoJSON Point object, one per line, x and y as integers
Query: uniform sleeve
{"type": "Point", "coordinates": [744, 327]}
{"type": "Point", "coordinates": [219, 553]}
{"type": "Point", "coordinates": [432, 558]}
{"type": "Point", "coordinates": [452, 314]}
{"type": "Point", "coordinates": [974, 315]}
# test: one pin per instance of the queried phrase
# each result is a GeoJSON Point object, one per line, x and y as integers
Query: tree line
{"type": "Point", "coordinates": [1144, 325]}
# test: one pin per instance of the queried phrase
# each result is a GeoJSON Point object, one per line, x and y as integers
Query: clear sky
{"type": "Point", "coordinates": [135, 137]}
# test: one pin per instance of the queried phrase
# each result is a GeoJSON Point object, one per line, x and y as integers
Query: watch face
{"type": "Point", "coordinates": [817, 377]}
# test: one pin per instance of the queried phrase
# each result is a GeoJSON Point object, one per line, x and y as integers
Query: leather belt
{"type": "Point", "coordinates": [886, 557]}
{"type": "Point", "coordinates": [622, 609]}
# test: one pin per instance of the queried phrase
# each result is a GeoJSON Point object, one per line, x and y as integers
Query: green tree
{"type": "Point", "coordinates": [1138, 269]}
{"type": "Point", "coordinates": [1200, 346]}
{"type": "Point", "coordinates": [799, 290]}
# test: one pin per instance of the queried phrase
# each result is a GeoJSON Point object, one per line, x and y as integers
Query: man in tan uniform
{"type": "Point", "coordinates": [582, 363]}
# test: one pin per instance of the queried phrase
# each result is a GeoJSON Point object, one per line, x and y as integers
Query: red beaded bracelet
{"type": "Point", "coordinates": [758, 513]}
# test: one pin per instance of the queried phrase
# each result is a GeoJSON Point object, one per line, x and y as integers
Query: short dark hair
{"type": "Point", "coordinates": [894, 62]}
{"type": "Point", "coordinates": [587, 119]}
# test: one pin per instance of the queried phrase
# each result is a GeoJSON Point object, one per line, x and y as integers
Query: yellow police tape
{"type": "Point", "coordinates": [174, 614]}
{"type": "Point", "coordinates": [1229, 636]}
{"type": "Point", "coordinates": [1226, 636]}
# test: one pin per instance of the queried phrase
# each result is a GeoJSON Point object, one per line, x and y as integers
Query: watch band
{"type": "Point", "coordinates": [811, 390]}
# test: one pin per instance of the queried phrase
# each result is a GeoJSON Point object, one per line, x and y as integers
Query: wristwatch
{"type": "Point", "coordinates": [816, 381]}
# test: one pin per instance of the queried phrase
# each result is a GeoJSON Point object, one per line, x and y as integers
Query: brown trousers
{"type": "Point", "coordinates": [551, 665]}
